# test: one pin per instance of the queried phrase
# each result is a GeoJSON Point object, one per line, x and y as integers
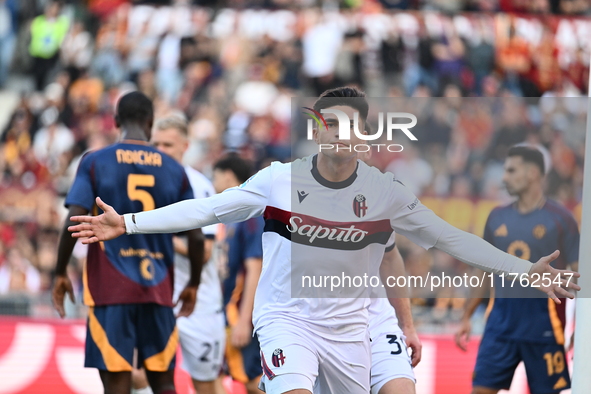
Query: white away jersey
{"type": "Point", "coordinates": [209, 294]}
{"type": "Point", "coordinates": [316, 229]}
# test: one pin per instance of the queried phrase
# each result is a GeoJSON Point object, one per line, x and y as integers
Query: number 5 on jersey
{"type": "Point", "coordinates": [141, 180]}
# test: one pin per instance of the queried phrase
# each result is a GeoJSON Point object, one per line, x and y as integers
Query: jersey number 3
{"type": "Point", "coordinates": [393, 339]}
{"type": "Point", "coordinates": [136, 180]}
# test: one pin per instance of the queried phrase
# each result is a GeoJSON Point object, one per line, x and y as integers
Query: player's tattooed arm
{"type": "Point", "coordinates": [62, 284]}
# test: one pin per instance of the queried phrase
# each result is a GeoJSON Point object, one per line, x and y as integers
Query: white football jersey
{"type": "Point", "coordinates": [209, 294]}
{"type": "Point", "coordinates": [316, 228]}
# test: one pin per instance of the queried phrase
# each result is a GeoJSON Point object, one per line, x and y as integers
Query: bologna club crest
{"type": "Point", "coordinates": [278, 358]}
{"type": "Point", "coordinates": [359, 205]}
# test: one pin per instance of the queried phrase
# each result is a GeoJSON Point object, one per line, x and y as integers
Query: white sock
{"type": "Point", "coordinates": [145, 390]}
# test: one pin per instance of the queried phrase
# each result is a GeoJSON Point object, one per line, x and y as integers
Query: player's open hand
{"type": "Point", "coordinates": [552, 281]}
{"type": "Point", "coordinates": [414, 343]}
{"type": "Point", "coordinates": [104, 227]}
{"type": "Point", "coordinates": [188, 299]}
{"type": "Point", "coordinates": [462, 336]}
{"type": "Point", "coordinates": [61, 287]}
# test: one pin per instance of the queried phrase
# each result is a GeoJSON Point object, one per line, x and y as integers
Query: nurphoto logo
{"type": "Point", "coordinates": [345, 125]}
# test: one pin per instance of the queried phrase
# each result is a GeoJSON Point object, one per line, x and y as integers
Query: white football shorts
{"type": "Point", "coordinates": [203, 341]}
{"type": "Point", "coordinates": [389, 356]}
{"type": "Point", "coordinates": [295, 357]}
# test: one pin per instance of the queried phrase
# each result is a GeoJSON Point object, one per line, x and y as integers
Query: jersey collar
{"type": "Point", "coordinates": [331, 185]}
{"type": "Point", "coordinates": [135, 142]}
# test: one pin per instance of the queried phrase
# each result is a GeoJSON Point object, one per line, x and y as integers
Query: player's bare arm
{"type": "Point", "coordinates": [62, 284]}
{"type": "Point", "coordinates": [242, 331]}
{"type": "Point", "coordinates": [393, 265]}
{"type": "Point", "coordinates": [239, 204]}
{"type": "Point", "coordinates": [477, 294]}
{"type": "Point", "coordinates": [196, 254]}
{"type": "Point", "coordinates": [236, 204]}
{"type": "Point", "coordinates": [181, 247]}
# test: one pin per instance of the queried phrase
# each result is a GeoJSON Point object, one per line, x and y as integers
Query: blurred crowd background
{"type": "Point", "coordinates": [231, 69]}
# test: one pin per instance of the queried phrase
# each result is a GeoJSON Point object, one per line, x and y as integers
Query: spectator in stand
{"type": "Point", "coordinates": [108, 62]}
{"type": "Point", "coordinates": [76, 52]}
{"type": "Point", "coordinates": [448, 53]}
{"type": "Point", "coordinates": [8, 28]}
{"type": "Point", "coordinates": [419, 60]}
{"type": "Point", "coordinates": [16, 139]}
{"type": "Point", "coordinates": [350, 59]}
{"type": "Point", "coordinates": [391, 53]}
{"type": "Point", "coordinates": [52, 140]}
{"type": "Point", "coordinates": [47, 35]}
{"type": "Point", "coordinates": [412, 170]}
{"type": "Point", "coordinates": [142, 51]}
{"type": "Point", "coordinates": [17, 274]}
{"type": "Point", "coordinates": [321, 44]}
{"type": "Point", "coordinates": [514, 59]}
{"type": "Point", "coordinates": [169, 78]}
{"type": "Point", "coordinates": [512, 129]}
{"type": "Point", "coordinates": [481, 53]}
{"type": "Point", "coordinates": [546, 73]}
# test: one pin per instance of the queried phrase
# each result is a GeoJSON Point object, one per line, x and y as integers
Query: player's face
{"type": "Point", "coordinates": [223, 179]}
{"type": "Point", "coordinates": [516, 177]}
{"type": "Point", "coordinates": [171, 142]}
{"type": "Point", "coordinates": [329, 137]}
{"type": "Point", "coordinates": [365, 156]}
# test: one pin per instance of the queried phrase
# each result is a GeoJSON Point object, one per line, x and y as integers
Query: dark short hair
{"type": "Point", "coordinates": [241, 168]}
{"type": "Point", "coordinates": [135, 107]}
{"type": "Point", "coordinates": [528, 155]}
{"type": "Point", "coordinates": [346, 95]}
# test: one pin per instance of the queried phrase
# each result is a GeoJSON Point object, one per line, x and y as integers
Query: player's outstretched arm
{"type": "Point", "coordinates": [425, 228]}
{"type": "Point", "coordinates": [104, 227]}
{"type": "Point", "coordinates": [477, 252]}
{"type": "Point", "coordinates": [234, 205]}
